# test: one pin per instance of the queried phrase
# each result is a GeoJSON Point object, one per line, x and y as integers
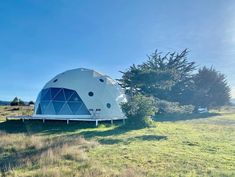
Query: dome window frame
{"type": "Point", "coordinates": [108, 105]}
{"type": "Point", "coordinates": [101, 80]}
{"type": "Point", "coordinates": [91, 94]}
{"type": "Point", "coordinates": [54, 81]}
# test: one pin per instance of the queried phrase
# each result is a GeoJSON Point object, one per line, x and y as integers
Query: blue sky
{"type": "Point", "coordinates": [41, 38]}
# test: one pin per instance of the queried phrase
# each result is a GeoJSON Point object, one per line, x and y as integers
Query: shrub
{"type": "Point", "coordinates": [139, 110]}
{"type": "Point", "coordinates": [31, 103]}
{"type": "Point", "coordinates": [166, 107]}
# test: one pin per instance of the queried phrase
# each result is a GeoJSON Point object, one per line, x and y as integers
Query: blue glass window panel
{"type": "Point", "coordinates": [44, 105]}
{"type": "Point", "coordinates": [43, 93]}
{"type": "Point", "coordinates": [83, 110]}
{"type": "Point", "coordinates": [75, 97]}
{"type": "Point", "coordinates": [54, 92]}
{"type": "Point", "coordinates": [68, 93]}
{"type": "Point", "coordinates": [50, 109]}
{"type": "Point", "coordinates": [65, 110]}
{"type": "Point", "coordinates": [57, 106]}
{"type": "Point", "coordinates": [47, 95]}
{"type": "Point", "coordinates": [39, 110]}
{"type": "Point", "coordinates": [60, 96]}
{"type": "Point", "coordinates": [75, 106]}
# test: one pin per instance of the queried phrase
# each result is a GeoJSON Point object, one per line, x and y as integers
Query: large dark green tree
{"type": "Point", "coordinates": [165, 77]}
{"type": "Point", "coordinates": [211, 88]}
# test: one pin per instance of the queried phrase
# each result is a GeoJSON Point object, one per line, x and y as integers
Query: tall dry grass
{"type": "Point", "coordinates": [43, 156]}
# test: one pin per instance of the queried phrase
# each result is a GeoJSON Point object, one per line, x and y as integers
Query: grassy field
{"type": "Point", "coordinates": [177, 146]}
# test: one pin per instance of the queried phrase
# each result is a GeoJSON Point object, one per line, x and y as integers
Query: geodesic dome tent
{"type": "Point", "coordinates": [80, 94]}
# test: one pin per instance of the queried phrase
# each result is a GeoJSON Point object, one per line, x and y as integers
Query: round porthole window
{"type": "Point", "coordinates": [55, 80]}
{"type": "Point", "coordinates": [101, 80]}
{"type": "Point", "coordinates": [90, 93]}
{"type": "Point", "coordinates": [108, 105]}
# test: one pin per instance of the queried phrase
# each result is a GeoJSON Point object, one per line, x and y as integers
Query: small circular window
{"type": "Point", "coordinates": [55, 80]}
{"type": "Point", "coordinates": [90, 93]}
{"type": "Point", "coordinates": [108, 105]}
{"type": "Point", "coordinates": [101, 80]}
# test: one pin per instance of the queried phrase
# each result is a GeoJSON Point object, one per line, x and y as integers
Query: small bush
{"type": "Point", "coordinates": [102, 126]}
{"type": "Point", "coordinates": [165, 107]}
{"type": "Point", "coordinates": [139, 110]}
{"type": "Point", "coordinates": [31, 103]}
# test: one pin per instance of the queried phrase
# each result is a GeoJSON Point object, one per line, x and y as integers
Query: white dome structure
{"type": "Point", "coordinates": [80, 94]}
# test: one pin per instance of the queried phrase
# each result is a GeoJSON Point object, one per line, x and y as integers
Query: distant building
{"type": "Point", "coordinates": [80, 94]}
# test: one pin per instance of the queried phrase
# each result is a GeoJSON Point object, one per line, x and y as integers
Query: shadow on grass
{"type": "Point", "coordinates": [37, 126]}
{"type": "Point", "coordinates": [119, 130]}
{"type": "Point", "coordinates": [103, 133]}
{"type": "Point", "coordinates": [58, 127]}
{"type": "Point", "coordinates": [180, 117]}
{"type": "Point", "coordinates": [111, 141]}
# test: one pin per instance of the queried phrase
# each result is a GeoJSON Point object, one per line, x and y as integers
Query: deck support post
{"type": "Point", "coordinates": [22, 119]}
{"type": "Point", "coordinates": [67, 121]}
{"type": "Point", "coordinates": [43, 120]}
{"type": "Point", "coordinates": [96, 122]}
{"type": "Point", "coordinates": [112, 121]}
{"type": "Point", "coordinates": [123, 121]}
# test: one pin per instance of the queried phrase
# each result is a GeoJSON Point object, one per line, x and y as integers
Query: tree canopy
{"type": "Point", "coordinates": [172, 77]}
{"type": "Point", "coordinates": [211, 88]}
{"type": "Point", "coordinates": [17, 102]}
{"type": "Point", "coordinates": [165, 77]}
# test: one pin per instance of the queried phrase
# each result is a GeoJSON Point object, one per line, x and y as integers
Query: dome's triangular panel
{"type": "Point", "coordinates": [50, 109]}
{"type": "Point", "coordinates": [57, 106]}
{"type": "Point", "coordinates": [75, 106]}
{"type": "Point", "coordinates": [65, 110]}
{"type": "Point", "coordinates": [60, 96]}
